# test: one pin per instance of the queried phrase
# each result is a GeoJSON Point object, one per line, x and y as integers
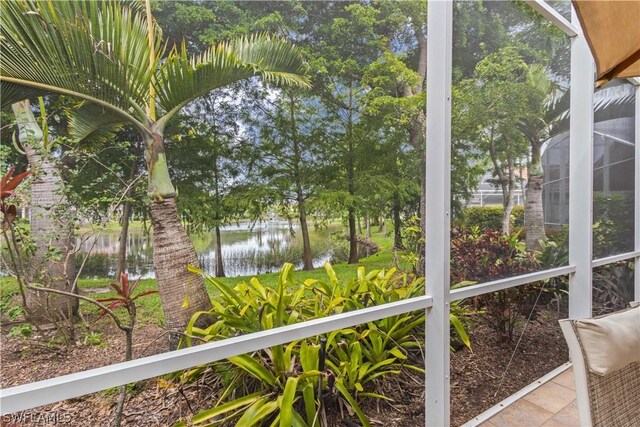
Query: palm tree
{"type": "Point", "coordinates": [535, 126]}
{"type": "Point", "coordinates": [51, 228]}
{"type": "Point", "coordinates": [109, 55]}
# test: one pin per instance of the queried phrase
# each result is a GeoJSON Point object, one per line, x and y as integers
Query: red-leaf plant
{"type": "Point", "coordinates": [8, 185]}
{"type": "Point", "coordinates": [126, 299]}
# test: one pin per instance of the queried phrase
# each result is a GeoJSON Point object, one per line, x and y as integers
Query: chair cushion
{"type": "Point", "coordinates": [610, 342]}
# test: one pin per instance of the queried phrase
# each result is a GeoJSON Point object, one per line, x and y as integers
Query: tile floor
{"type": "Point", "coordinates": [551, 404]}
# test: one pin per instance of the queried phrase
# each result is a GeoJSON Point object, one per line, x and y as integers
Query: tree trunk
{"type": "Point", "coordinates": [508, 185]}
{"type": "Point", "coordinates": [534, 213]}
{"type": "Point", "coordinates": [124, 237]}
{"type": "Point", "coordinates": [367, 222]}
{"type": "Point", "coordinates": [124, 232]}
{"type": "Point", "coordinates": [51, 225]}
{"type": "Point", "coordinates": [351, 185]}
{"type": "Point", "coordinates": [417, 135]}
{"type": "Point", "coordinates": [219, 261]}
{"type": "Point", "coordinates": [381, 224]}
{"type": "Point", "coordinates": [353, 240]}
{"type": "Point", "coordinates": [307, 257]}
{"type": "Point", "coordinates": [506, 214]}
{"type": "Point", "coordinates": [182, 293]}
{"type": "Point", "coordinates": [397, 227]}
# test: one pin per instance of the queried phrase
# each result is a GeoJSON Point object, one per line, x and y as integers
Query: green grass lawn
{"type": "Point", "coordinates": [150, 310]}
{"type": "Point", "coordinates": [112, 226]}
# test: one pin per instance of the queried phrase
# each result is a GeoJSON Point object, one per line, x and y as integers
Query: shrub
{"type": "Point", "coordinates": [481, 256]}
{"type": "Point", "coordinates": [613, 287]}
{"type": "Point", "coordinates": [292, 384]}
{"type": "Point", "coordinates": [613, 226]}
{"type": "Point", "coordinates": [488, 217]}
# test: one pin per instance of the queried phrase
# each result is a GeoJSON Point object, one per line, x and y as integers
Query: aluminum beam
{"type": "Point", "coordinates": [581, 176]}
{"type": "Point", "coordinates": [64, 387]}
{"type": "Point", "coordinates": [509, 282]}
{"type": "Point", "coordinates": [637, 192]}
{"type": "Point", "coordinates": [438, 194]}
{"type": "Point", "coordinates": [614, 258]}
{"type": "Point", "coordinates": [553, 16]}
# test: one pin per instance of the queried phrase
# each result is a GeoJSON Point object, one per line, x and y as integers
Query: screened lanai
{"type": "Point", "coordinates": [591, 181]}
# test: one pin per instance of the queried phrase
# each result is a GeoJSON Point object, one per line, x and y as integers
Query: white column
{"type": "Point", "coordinates": [438, 165]}
{"type": "Point", "coordinates": [637, 192]}
{"type": "Point", "coordinates": [581, 176]}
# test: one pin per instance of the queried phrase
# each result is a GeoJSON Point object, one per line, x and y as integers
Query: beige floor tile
{"type": "Point", "coordinates": [567, 417]}
{"type": "Point", "coordinates": [551, 396]}
{"type": "Point", "coordinates": [487, 424]}
{"type": "Point", "coordinates": [521, 414]}
{"type": "Point", "coordinates": [566, 379]}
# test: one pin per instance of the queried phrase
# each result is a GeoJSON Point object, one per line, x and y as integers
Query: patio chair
{"type": "Point", "coordinates": [605, 352]}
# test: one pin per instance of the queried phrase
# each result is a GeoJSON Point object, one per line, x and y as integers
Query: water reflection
{"type": "Point", "coordinates": [246, 250]}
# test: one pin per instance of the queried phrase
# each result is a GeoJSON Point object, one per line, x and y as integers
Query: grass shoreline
{"type": "Point", "coordinates": [150, 309]}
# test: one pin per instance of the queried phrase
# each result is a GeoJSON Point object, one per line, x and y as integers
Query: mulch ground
{"type": "Point", "coordinates": [475, 379]}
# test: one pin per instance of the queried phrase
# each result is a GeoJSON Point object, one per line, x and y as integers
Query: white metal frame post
{"type": "Point", "coordinates": [581, 176]}
{"type": "Point", "coordinates": [637, 191]}
{"type": "Point", "coordinates": [438, 165]}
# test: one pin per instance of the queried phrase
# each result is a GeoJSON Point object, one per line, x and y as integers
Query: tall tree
{"type": "Point", "coordinates": [489, 109]}
{"type": "Point", "coordinates": [111, 55]}
{"type": "Point", "coordinates": [535, 127]}
{"type": "Point", "coordinates": [208, 168]}
{"type": "Point", "coordinates": [289, 146]}
{"type": "Point", "coordinates": [340, 40]}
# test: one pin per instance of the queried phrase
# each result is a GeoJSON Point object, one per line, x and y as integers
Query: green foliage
{"type": "Point", "coordinates": [613, 224]}
{"type": "Point", "coordinates": [284, 384]}
{"type": "Point", "coordinates": [24, 330]}
{"type": "Point", "coordinates": [93, 338]}
{"type": "Point", "coordinates": [488, 217]}
{"type": "Point", "coordinates": [613, 287]}
{"type": "Point", "coordinates": [13, 312]}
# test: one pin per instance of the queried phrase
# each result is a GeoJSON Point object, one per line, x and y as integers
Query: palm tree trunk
{"type": "Point", "coordinates": [219, 262]}
{"type": "Point", "coordinates": [182, 293]}
{"type": "Point", "coordinates": [533, 212]}
{"type": "Point", "coordinates": [51, 226]}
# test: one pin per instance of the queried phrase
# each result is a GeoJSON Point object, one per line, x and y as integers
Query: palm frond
{"type": "Point", "coordinates": [181, 79]}
{"type": "Point", "coordinates": [91, 49]}
{"type": "Point", "coordinates": [12, 93]}
{"type": "Point", "coordinates": [92, 123]}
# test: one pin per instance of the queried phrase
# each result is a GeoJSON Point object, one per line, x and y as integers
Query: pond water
{"type": "Point", "coordinates": [247, 249]}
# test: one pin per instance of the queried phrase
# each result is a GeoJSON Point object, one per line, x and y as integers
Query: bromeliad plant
{"type": "Point", "coordinates": [124, 298]}
{"type": "Point", "coordinates": [298, 383]}
{"type": "Point", "coordinates": [279, 384]}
